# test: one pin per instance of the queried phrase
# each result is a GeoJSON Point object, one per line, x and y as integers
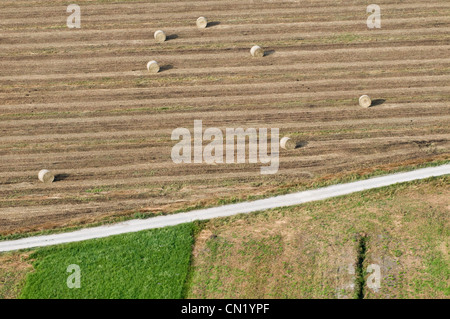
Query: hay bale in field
{"type": "Point", "coordinates": [45, 176]}
{"type": "Point", "coordinates": [160, 36]}
{"type": "Point", "coordinates": [287, 144]}
{"type": "Point", "coordinates": [153, 67]}
{"type": "Point", "coordinates": [257, 51]}
{"type": "Point", "coordinates": [202, 23]}
{"type": "Point", "coordinates": [365, 101]}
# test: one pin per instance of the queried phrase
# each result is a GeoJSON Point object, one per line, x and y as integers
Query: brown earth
{"type": "Point", "coordinates": [80, 102]}
{"type": "Point", "coordinates": [13, 270]}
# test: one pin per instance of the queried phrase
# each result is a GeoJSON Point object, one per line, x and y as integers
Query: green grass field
{"type": "Point", "coordinates": [147, 264]}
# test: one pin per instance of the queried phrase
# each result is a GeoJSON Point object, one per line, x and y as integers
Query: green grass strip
{"type": "Point", "coordinates": [147, 264]}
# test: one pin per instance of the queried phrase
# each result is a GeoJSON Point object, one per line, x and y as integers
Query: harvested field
{"type": "Point", "coordinates": [80, 102]}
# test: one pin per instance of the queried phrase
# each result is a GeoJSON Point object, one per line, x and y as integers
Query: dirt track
{"type": "Point", "coordinates": [223, 211]}
{"type": "Point", "coordinates": [80, 102]}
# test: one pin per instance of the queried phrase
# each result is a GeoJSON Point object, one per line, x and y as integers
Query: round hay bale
{"type": "Point", "coordinates": [153, 67]}
{"type": "Point", "coordinates": [365, 101]}
{"type": "Point", "coordinates": [287, 144]}
{"type": "Point", "coordinates": [45, 176]}
{"type": "Point", "coordinates": [160, 36]}
{"type": "Point", "coordinates": [202, 23]}
{"type": "Point", "coordinates": [257, 51]}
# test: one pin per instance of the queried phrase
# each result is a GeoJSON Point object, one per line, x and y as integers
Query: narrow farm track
{"type": "Point", "coordinates": [222, 211]}
{"type": "Point", "coordinates": [80, 101]}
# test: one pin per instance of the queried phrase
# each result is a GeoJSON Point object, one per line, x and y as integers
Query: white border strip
{"type": "Point", "coordinates": [223, 211]}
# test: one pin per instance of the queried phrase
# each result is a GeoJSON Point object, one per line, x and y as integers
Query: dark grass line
{"type": "Point", "coordinates": [360, 281]}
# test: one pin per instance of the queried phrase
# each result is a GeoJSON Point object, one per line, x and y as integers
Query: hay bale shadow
{"type": "Point", "coordinates": [378, 102]}
{"type": "Point", "coordinates": [301, 144]}
{"type": "Point", "coordinates": [172, 37]}
{"type": "Point", "coordinates": [165, 67]}
{"type": "Point", "coordinates": [269, 52]}
{"type": "Point", "coordinates": [60, 177]}
{"type": "Point", "coordinates": [212, 24]}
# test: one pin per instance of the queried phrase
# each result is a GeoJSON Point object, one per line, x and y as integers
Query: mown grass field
{"type": "Point", "coordinates": [148, 264]}
{"type": "Point", "coordinates": [304, 251]}
{"type": "Point", "coordinates": [307, 251]}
